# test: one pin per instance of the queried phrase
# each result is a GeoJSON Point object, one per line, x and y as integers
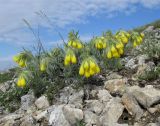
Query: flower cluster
{"type": "Point", "coordinates": [20, 59]}
{"type": "Point", "coordinates": [115, 51]}
{"type": "Point", "coordinates": [89, 67]}
{"type": "Point", "coordinates": [137, 39]}
{"type": "Point", "coordinates": [75, 44]}
{"type": "Point", "coordinates": [44, 64]}
{"type": "Point", "coordinates": [100, 43]}
{"type": "Point", "coordinates": [123, 36]}
{"type": "Point", "coordinates": [70, 57]}
{"type": "Point", "coordinates": [21, 82]}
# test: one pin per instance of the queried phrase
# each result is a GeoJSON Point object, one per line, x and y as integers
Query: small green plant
{"type": "Point", "coordinates": [150, 47]}
{"type": "Point", "coordinates": [6, 76]}
{"type": "Point", "coordinates": [80, 123]}
{"type": "Point", "coordinates": [151, 75]}
{"type": "Point", "coordinates": [11, 99]}
{"type": "Point", "coordinates": [76, 60]}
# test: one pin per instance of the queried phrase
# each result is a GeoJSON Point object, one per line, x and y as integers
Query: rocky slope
{"type": "Point", "coordinates": [122, 100]}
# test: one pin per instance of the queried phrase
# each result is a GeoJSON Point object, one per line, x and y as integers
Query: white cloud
{"type": "Point", "coordinates": [61, 12]}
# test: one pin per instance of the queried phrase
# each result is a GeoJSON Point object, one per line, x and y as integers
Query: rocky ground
{"type": "Point", "coordinates": [121, 100]}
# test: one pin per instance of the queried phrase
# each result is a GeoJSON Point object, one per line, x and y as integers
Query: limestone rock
{"type": "Point", "coordinates": [42, 102]}
{"type": "Point", "coordinates": [112, 112]}
{"type": "Point", "coordinates": [103, 95]}
{"type": "Point", "coordinates": [94, 106]}
{"type": "Point", "coordinates": [146, 96]}
{"type": "Point", "coordinates": [91, 119]}
{"type": "Point", "coordinates": [72, 114]}
{"type": "Point", "coordinates": [27, 101]}
{"type": "Point", "coordinates": [116, 86]}
{"type": "Point", "coordinates": [132, 106]}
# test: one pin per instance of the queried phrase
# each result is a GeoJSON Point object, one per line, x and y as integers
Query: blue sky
{"type": "Point", "coordinates": [89, 17]}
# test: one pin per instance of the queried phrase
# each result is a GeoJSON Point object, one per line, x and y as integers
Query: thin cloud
{"type": "Point", "coordinates": [61, 13]}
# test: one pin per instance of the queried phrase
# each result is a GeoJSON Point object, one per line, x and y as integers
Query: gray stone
{"type": "Point", "coordinates": [149, 29]}
{"type": "Point", "coordinates": [142, 59]}
{"type": "Point", "coordinates": [111, 112]}
{"type": "Point", "coordinates": [116, 86]}
{"type": "Point", "coordinates": [71, 96]}
{"type": "Point", "coordinates": [42, 102]}
{"type": "Point", "coordinates": [57, 117]}
{"type": "Point", "coordinates": [146, 96]}
{"type": "Point", "coordinates": [72, 114]}
{"type": "Point", "coordinates": [132, 106]}
{"type": "Point", "coordinates": [28, 121]}
{"type": "Point", "coordinates": [103, 96]}
{"type": "Point", "coordinates": [10, 117]}
{"type": "Point", "coordinates": [94, 106]}
{"type": "Point", "coordinates": [152, 124]}
{"type": "Point", "coordinates": [113, 75]}
{"type": "Point", "coordinates": [27, 101]}
{"type": "Point", "coordinates": [131, 64]}
{"type": "Point", "coordinates": [64, 115]}
{"type": "Point", "coordinates": [5, 87]}
{"type": "Point", "coordinates": [91, 119]}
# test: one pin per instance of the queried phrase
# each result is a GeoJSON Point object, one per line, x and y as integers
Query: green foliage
{"type": "Point", "coordinates": [150, 46]}
{"type": "Point", "coordinates": [151, 75]}
{"type": "Point", "coordinates": [80, 123]}
{"type": "Point", "coordinates": [46, 72]}
{"type": "Point", "coordinates": [11, 99]}
{"type": "Point", "coordinates": [6, 76]}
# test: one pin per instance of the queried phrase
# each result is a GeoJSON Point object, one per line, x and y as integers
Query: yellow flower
{"type": "Point", "coordinates": [116, 55]}
{"type": "Point", "coordinates": [70, 43]}
{"type": "Point", "coordinates": [104, 45]}
{"type": "Point", "coordinates": [73, 59]}
{"type": "Point", "coordinates": [21, 82]}
{"type": "Point", "coordinates": [16, 59]}
{"type": "Point", "coordinates": [22, 63]}
{"type": "Point", "coordinates": [120, 51]}
{"type": "Point", "coordinates": [92, 64]}
{"type": "Point", "coordinates": [42, 67]}
{"type": "Point", "coordinates": [139, 40]}
{"type": "Point", "coordinates": [87, 74]}
{"type": "Point", "coordinates": [79, 45]}
{"type": "Point", "coordinates": [97, 69]}
{"type": "Point", "coordinates": [91, 71]}
{"type": "Point", "coordinates": [68, 58]}
{"type": "Point", "coordinates": [81, 70]}
{"type": "Point", "coordinates": [124, 40]}
{"type": "Point", "coordinates": [66, 63]}
{"type": "Point", "coordinates": [134, 44]}
{"type": "Point", "coordinates": [113, 49]}
{"type": "Point", "coordinates": [86, 65]}
{"type": "Point", "coordinates": [109, 55]}
{"type": "Point", "coordinates": [142, 35]}
{"type": "Point", "coordinates": [74, 44]}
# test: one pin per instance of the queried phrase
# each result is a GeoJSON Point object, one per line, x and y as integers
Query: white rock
{"type": "Point", "coordinates": [72, 114]}
{"type": "Point", "coordinates": [27, 101]}
{"type": "Point", "coordinates": [132, 106]}
{"type": "Point", "coordinates": [57, 117]}
{"type": "Point", "coordinates": [112, 112]}
{"type": "Point", "coordinates": [116, 86]}
{"type": "Point", "coordinates": [91, 119]}
{"type": "Point", "coordinates": [94, 106]}
{"type": "Point", "coordinates": [42, 102]}
{"type": "Point", "coordinates": [104, 96]}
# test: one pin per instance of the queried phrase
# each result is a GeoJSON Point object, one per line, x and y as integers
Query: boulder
{"type": "Point", "coordinates": [116, 86]}
{"type": "Point", "coordinates": [27, 101]}
{"type": "Point", "coordinates": [132, 106]}
{"type": "Point", "coordinates": [42, 102]}
{"type": "Point", "coordinates": [91, 119]}
{"type": "Point", "coordinates": [94, 106]}
{"type": "Point", "coordinates": [111, 112]}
